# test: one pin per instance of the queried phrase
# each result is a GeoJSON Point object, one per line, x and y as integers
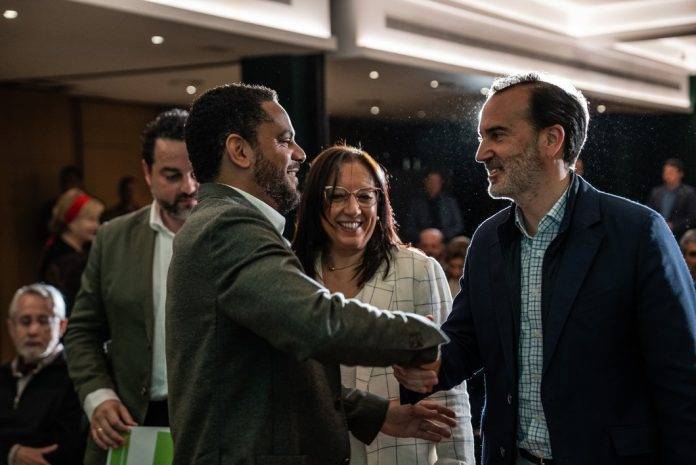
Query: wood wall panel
{"type": "Point", "coordinates": [42, 132]}
{"type": "Point", "coordinates": [38, 137]}
{"type": "Point", "coordinates": [111, 146]}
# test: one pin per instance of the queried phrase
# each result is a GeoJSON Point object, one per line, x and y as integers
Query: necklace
{"type": "Point", "coordinates": [338, 268]}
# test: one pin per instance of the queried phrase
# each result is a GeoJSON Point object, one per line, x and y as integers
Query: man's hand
{"type": "Point", "coordinates": [32, 455]}
{"type": "Point", "coordinates": [421, 379]}
{"type": "Point", "coordinates": [418, 421]}
{"type": "Point", "coordinates": [110, 421]}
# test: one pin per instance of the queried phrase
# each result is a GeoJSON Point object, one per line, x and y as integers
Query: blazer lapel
{"type": "Point", "coordinates": [144, 236]}
{"type": "Point", "coordinates": [379, 292]}
{"type": "Point", "coordinates": [505, 291]}
{"type": "Point", "coordinates": [578, 253]}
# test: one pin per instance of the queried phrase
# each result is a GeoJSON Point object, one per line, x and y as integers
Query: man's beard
{"type": "Point", "coordinates": [177, 209]}
{"type": "Point", "coordinates": [275, 183]}
{"type": "Point", "coordinates": [522, 174]}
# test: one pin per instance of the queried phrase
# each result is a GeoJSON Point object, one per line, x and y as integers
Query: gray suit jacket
{"type": "Point", "coordinates": [115, 305]}
{"type": "Point", "coordinates": [254, 346]}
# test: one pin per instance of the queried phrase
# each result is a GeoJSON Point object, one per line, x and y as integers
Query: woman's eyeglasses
{"type": "Point", "coordinates": [366, 197]}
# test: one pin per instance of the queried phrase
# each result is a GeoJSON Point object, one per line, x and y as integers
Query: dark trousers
{"type": "Point", "coordinates": [157, 413]}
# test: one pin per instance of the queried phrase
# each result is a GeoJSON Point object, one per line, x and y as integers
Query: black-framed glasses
{"type": "Point", "coordinates": [42, 320]}
{"type": "Point", "coordinates": [366, 197]}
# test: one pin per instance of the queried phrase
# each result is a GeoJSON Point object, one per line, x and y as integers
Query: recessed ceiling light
{"type": "Point", "coordinates": [434, 84]}
{"type": "Point", "coordinates": [484, 91]}
{"type": "Point", "coordinates": [157, 40]}
{"type": "Point", "coordinates": [374, 74]}
{"type": "Point", "coordinates": [420, 114]}
{"type": "Point", "coordinates": [374, 110]}
{"type": "Point", "coordinates": [10, 14]}
{"type": "Point", "coordinates": [191, 90]}
{"type": "Point", "coordinates": [601, 108]}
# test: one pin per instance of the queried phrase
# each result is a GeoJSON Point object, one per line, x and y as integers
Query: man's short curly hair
{"type": "Point", "coordinates": [229, 109]}
{"type": "Point", "coordinates": [167, 125]}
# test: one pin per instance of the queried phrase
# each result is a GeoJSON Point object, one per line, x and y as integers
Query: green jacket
{"type": "Point", "coordinates": [254, 346]}
{"type": "Point", "coordinates": [109, 336]}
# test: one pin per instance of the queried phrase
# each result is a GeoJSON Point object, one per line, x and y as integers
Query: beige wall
{"type": "Point", "coordinates": [41, 132]}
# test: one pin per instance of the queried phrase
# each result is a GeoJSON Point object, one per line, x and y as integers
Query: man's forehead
{"type": "Point", "coordinates": [169, 151]}
{"type": "Point", "coordinates": [277, 115]}
{"type": "Point", "coordinates": [32, 303]}
{"type": "Point", "coordinates": [506, 105]}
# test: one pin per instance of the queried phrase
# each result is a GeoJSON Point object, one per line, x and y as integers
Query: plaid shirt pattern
{"type": "Point", "coordinates": [532, 431]}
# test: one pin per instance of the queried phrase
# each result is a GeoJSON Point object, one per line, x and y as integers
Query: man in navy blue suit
{"type": "Point", "coordinates": [577, 304]}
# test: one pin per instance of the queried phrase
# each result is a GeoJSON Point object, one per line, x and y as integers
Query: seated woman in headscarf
{"type": "Point", "coordinates": [74, 225]}
{"type": "Point", "coordinates": [346, 238]}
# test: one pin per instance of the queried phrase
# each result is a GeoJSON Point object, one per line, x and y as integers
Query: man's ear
{"type": "Point", "coordinates": [552, 141]}
{"type": "Point", "coordinates": [146, 172]}
{"type": "Point", "coordinates": [238, 151]}
{"type": "Point", "coordinates": [63, 327]}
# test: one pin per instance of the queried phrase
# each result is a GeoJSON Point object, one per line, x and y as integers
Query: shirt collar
{"type": "Point", "coordinates": [156, 222]}
{"type": "Point", "coordinates": [44, 362]}
{"type": "Point", "coordinates": [555, 214]}
{"type": "Point", "coordinates": [276, 219]}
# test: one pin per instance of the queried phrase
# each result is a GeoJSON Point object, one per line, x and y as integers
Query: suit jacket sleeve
{"type": "Point", "coordinates": [88, 330]}
{"type": "Point", "coordinates": [666, 323]}
{"type": "Point", "coordinates": [365, 413]}
{"type": "Point", "coordinates": [297, 315]}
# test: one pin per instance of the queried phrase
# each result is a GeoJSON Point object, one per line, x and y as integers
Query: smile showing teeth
{"type": "Point", "coordinates": [349, 224]}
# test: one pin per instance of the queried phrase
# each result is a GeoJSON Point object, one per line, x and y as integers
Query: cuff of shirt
{"type": "Point", "coordinates": [94, 399]}
{"type": "Point", "coordinates": [11, 454]}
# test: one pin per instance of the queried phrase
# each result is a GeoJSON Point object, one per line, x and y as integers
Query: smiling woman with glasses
{"type": "Point", "coordinates": [346, 238]}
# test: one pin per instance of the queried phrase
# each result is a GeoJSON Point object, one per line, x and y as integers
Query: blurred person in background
{"type": "Point", "coordinates": [674, 200]}
{"type": "Point", "coordinates": [688, 248]}
{"type": "Point", "coordinates": [126, 199]}
{"type": "Point", "coordinates": [346, 239]}
{"type": "Point", "coordinates": [115, 340]}
{"type": "Point", "coordinates": [69, 177]}
{"type": "Point", "coordinates": [74, 225]}
{"type": "Point", "coordinates": [41, 421]}
{"type": "Point", "coordinates": [432, 242]}
{"type": "Point", "coordinates": [433, 209]}
{"type": "Point", "coordinates": [455, 254]}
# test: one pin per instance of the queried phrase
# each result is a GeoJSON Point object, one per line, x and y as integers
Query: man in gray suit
{"type": "Point", "coordinates": [115, 340]}
{"type": "Point", "coordinates": [253, 344]}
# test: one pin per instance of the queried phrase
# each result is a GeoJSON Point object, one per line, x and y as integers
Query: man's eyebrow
{"type": "Point", "coordinates": [494, 129]}
{"type": "Point", "coordinates": [287, 133]}
{"type": "Point", "coordinates": [169, 168]}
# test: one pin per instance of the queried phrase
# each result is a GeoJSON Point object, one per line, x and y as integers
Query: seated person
{"type": "Point", "coordinates": [41, 420]}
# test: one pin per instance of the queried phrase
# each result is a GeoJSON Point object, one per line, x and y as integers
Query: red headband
{"type": "Point", "coordinates": [75, 208]}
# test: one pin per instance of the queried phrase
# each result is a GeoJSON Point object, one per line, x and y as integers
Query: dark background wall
{"type": "Point", "coordinates": [623, 155]}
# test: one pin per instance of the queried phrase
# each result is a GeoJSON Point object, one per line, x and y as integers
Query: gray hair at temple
{"type": "Point", "coordinates": [46, 291]}
{"type": "Point", "coordinates": [687, 238]}
{"type": "Point", "coordinates": [553, 101]}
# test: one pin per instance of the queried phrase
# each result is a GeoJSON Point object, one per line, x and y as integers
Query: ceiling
{"type": "Point", "coordinates": [89, 50]}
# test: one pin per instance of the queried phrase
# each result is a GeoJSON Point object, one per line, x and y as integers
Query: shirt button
{"type": "Point", "coordinates": [536, 377]}
{"type": "Point", "coordinates": [143, 391]}
{"type": "Point", "coordinates": [509, 399]}
{"type": "Point", "coordinates": [502, 452]}
{"type": "Point", "coordinates": [536, 333]}
{"type": "Point", "coordinates": [540, 253]}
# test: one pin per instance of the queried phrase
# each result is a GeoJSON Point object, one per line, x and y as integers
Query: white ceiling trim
{"type": "Point", "coordinates": [304, 23]}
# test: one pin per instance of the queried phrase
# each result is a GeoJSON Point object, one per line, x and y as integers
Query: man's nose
{"type": "Point", "coordinates": [298, 154]}
{"type": "Point", "coordinates": [190, 185]}
{"type": "Point", "coordinates": [483, 153]}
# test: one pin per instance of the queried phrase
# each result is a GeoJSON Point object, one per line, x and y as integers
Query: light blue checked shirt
{"type": "Point", "coordinates": [532, 432]}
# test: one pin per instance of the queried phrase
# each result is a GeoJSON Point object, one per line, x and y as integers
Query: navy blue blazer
{"type": "Point", "coordinates": [619, 319]}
